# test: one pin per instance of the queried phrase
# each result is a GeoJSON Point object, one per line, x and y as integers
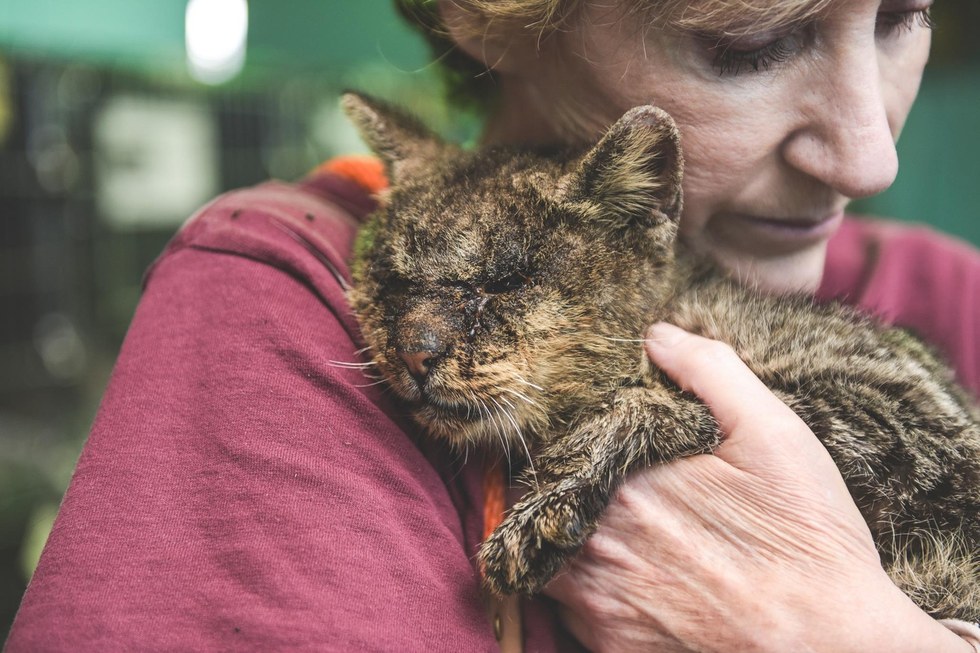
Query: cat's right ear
{"type": "Point", "coordinates": [400, 140]}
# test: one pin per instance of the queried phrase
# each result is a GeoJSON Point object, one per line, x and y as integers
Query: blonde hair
{"type": "Point", "coordinates": [468, 83]}
{"type": "Point", "coordinates": [716, 16]}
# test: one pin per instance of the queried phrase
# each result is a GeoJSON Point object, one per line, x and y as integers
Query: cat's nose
{"type": "Point", "coordinates": [419, 363]}
{"type": "Point", "coordinates": [421, 339]}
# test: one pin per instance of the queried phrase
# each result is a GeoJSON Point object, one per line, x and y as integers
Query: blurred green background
{"type": "Point", "coordinates": [108, 142]}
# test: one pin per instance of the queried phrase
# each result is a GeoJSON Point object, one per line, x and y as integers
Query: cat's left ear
{"type": "Point", "coordinates": [633, 174]}
{"type": "Point", "coordinates": [400, 140]}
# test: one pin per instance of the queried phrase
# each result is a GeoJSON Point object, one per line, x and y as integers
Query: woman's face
{"type": "Point", "coordinates": [780, 128]}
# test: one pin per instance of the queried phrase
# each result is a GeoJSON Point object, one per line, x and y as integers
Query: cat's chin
{"type": "Point", "coordinates": [457, 423]}
{"type": "Point", "coordinates": [440, 411]}
{"type": "Point", "coordinates": [466, 424]}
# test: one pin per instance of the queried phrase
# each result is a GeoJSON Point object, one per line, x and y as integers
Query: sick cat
{"type": "Point", "coordinates": [502, 294]}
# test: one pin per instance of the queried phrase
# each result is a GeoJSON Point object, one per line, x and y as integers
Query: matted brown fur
{"type": "Point", "coordinates": [503, 294]}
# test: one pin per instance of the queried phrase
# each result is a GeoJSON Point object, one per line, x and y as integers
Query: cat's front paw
{"type": "Point", "coordinates": [533, 543]}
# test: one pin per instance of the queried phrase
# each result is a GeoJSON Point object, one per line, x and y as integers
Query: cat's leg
{"type": "Point", "coordinates": [575, 475]}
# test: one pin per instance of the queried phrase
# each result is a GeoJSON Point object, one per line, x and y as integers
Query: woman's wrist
{"type": "Point", "coordinates": [863, 612]}
{"type": "Point", "coordinates": [896, 625]}
{"type": "Point", "coordinates": [969, 632]}
{"type": "Point", "coordinates": [917, 631]}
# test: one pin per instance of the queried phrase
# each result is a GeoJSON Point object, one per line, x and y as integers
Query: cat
{"type": "Point", "coordinates": [503, 292]}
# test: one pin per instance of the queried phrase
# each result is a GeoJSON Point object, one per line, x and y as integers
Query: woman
{"type": "Point", "coordinates": [241, 490]}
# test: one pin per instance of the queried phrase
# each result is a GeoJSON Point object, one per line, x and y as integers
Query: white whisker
{"type": "Point", "coordinates": [520, 395]}
{"type": "Point", "coordinates": [469, 405]}
{"type": "Point", "coordinates": [368, 385]}
{"type": "Point", "coordinates": [500, 433]}
{"type": "Point", "coordinates": [520, 438]}
{"type": "Point", "coordinates": [526, 382]}
{"type": "Point", "coordinates": [351, 365]}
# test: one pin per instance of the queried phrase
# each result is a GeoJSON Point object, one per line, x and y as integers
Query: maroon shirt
{"type": "Point", "coordinates": [240, 490]}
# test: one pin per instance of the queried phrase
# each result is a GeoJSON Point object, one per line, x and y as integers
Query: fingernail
{"type": "Point", "coordinates": [663, 334]}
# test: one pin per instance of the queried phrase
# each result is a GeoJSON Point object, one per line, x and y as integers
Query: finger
{"type": "Point", "coordinates": [749, 414]}
{"type": "Point", "coordinates": [565, 591]}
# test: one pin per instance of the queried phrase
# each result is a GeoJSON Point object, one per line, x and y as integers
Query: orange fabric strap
{"type": "Point", "coordinates": [363, 169]}
{"type": "Point", "coordinates": [494, 497]}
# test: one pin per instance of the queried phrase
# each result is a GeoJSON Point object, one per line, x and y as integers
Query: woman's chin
{"type": "Point", "coordinates": [785, 273]}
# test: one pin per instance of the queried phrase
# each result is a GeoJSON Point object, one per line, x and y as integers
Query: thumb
{"type": "Point", "coordinates": [759, 429]}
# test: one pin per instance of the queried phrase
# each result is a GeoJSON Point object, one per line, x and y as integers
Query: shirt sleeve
{"type": "Point", "coordinates": [242, 488]}
{"type": "Point", "coordinates": [915, 278]}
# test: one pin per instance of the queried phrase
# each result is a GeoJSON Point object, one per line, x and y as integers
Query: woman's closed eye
{"type": "Point", "coordinates": [759, 53]}
{"type": "Point", "coordinates": [756, 54]}
{"type": "Point", "coordinates": [890, 23]}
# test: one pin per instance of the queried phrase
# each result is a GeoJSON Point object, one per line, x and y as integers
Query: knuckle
{"type": "Point", "coordinates": [600, 548]}
{"type": "Point", "coordinates": [632, 498]}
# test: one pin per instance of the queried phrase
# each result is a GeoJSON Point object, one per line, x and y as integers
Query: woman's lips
{"type": "Point", "coordinates": [765, 236]}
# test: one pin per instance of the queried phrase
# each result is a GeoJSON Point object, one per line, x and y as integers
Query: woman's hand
{"type": "Point", "coordinates": [756, 548]}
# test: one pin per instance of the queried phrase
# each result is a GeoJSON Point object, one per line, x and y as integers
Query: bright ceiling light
{"type": "Point", "coordinates": [215, 33]}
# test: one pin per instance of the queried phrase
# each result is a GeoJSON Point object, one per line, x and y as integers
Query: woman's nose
{"type": "Point", "coordinates": [847, 139]}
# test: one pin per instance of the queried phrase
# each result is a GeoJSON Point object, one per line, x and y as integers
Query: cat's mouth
{"type": "Point", "coordinates": [440, 410]}
{"type": "Point", "coordinates": [484, 419]}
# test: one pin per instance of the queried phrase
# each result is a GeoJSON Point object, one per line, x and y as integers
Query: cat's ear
{"type": "Point", "coordinates": [633, 174]}
{"type": "Point", "coordinates": [400, 140]}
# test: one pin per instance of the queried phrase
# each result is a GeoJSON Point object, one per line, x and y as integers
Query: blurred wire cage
{"type": "Point", "coordinates": [100, 162]}
{"type": "Point", "coordinates": [98, 169]}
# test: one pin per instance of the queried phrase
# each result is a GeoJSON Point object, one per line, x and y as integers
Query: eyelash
{"type": "Point", "coordinates": [904, 21]}
{"type": "Point", "coordinates": [731, 62]}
